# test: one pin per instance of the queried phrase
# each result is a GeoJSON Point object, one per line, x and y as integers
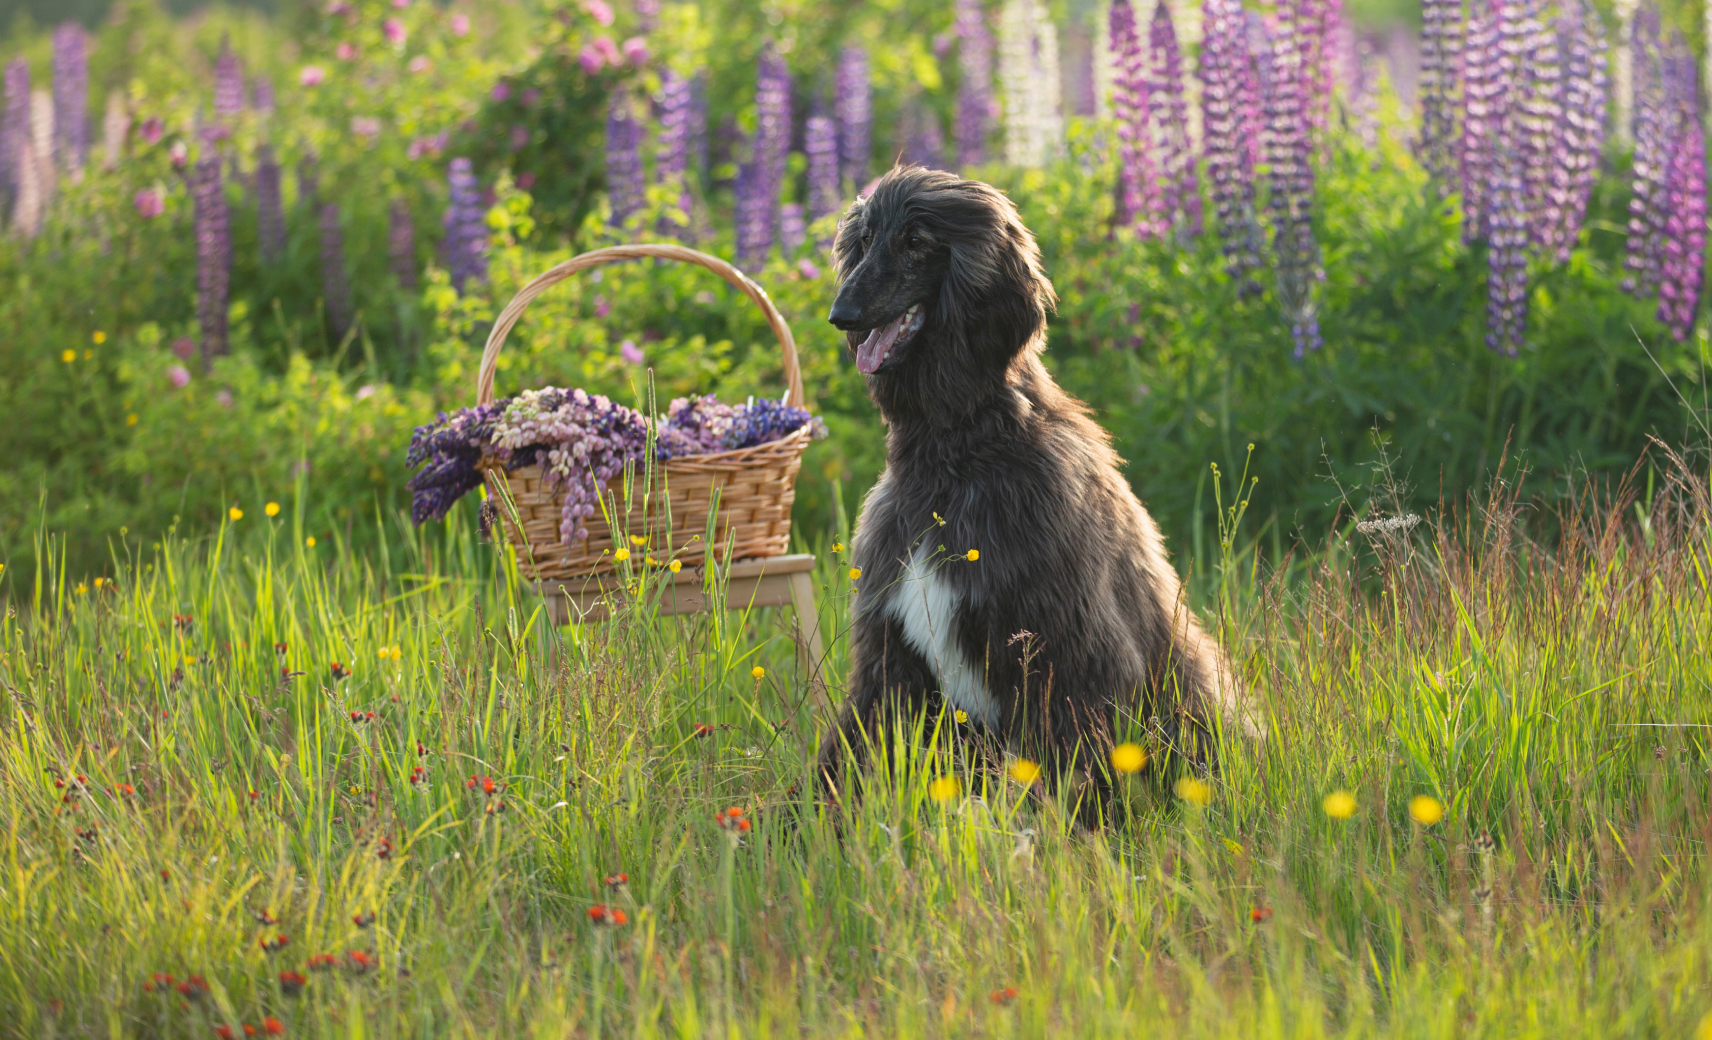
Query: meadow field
{"type": "Point", "coordinates": [254, 783]}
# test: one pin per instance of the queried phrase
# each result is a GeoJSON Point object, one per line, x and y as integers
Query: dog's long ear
{"type": "Point", "coordinates": [994, 286]}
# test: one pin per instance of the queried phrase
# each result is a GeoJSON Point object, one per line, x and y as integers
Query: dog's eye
{"type": "Point", "coordinates": [915, 240]}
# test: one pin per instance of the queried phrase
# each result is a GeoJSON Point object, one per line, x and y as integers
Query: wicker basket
{"type": "Point", "coordinates": [754, 486]}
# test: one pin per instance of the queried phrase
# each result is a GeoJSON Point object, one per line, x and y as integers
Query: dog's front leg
{"type": "Point", "coordinates": [889, 683]}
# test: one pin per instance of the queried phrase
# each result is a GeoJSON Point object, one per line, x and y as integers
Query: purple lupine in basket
{"type": "Point", "coordinates": [71, 95]}
{"type": "Point", "coordinates": [1652, 153]}
{"type": "Point", "coordinates": [851, 109]}
{"type": "Point", "coordinates": [1441, 57]}
{"type": "Point", "coordinates": [581, 441]}
{"type": "Point", "coordinates": [335, 281]}
{"type": "Point", "coordinates": [773, 125]}
{"type": "Point", "coordinates": [401, 244]}
{"type": "Point", "coordinates": [625, 187]}
{"type": "Point", "coordinates": [213, 226]}
{"type": "Point", "coordinates": [1682, 264]}
{"type": "Point", "coordinates": [1224, 67]}
{"type": "Point", "coordinates": [1290, 200]}
{"type": "Point", "coordinates": [450, 450]}
{"type": "Point", "coordinates": [1581, 133]}
{"type": "Point", "coordinates": [975, 87]}
{"type": "Point", "coordinates": [764, 421]}
{"type": "Point", "coordinates": [270, 208]}
{"type": "Point", "coordinates": [671, 146]}
{"type": "Point", "coordinates": [228, 82]}
{"type": "Point", "coordinates": [1137, 187]}
{"type": "Point", "coordinates": [466, 226]}
{"type": "Point", "coordinates": [14, 127]}
{"type": "Point", "coordinates": [1179, 198]}
{"type": "Point", "coordinates": [820, 143]}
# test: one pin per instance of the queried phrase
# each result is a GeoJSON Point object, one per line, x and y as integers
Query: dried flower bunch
{"type": "Point", "coordinates": [581, 441]}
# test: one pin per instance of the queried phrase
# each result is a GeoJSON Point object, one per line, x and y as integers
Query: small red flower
{"type": "Point", "coordinates": [356, 716]}
{"type": "Point", "coordinates": [609, 916]}
{"type": "Point", "coordinates": [702, 729]}
{"type": "Point", "coordinates": [732, 819]}
{"type": "Point", "coordinates": [255, 795]}
{"type": "Point", "coordinates": [279, 648]}
{"type": "Point", "coordinates": [1004, 996]}
{"type": "Point", "coordinates": [276, 944]}
{"type": "Point", "coordinates": [368, 716]}
{"type": "Point", "coordinates": [273, 1026]}
{"type": "Point", "coordinates": [249, 1030]}
{"type": "Point", "coordinates": [193, 988]}
{"type": "Point", "coordinates": [1260, 913]}
{"type": "Point", "coordinates": [182, 621]}
{"type": "Point", "coordinates": [617, 880]}
{"type": "Point", "coordinates": [383, 849]}
{"type": "Point", "coordinates": [224, 1032]}
{"type": "Point", "coordinates": [265, 916]}
{"type": "Point", "coordinates": [160, 981]}
{"type": "Point", "coordinates": [126, 790]}
{"type": "Point", "coordinates": [363, 919]}
{"type": "Point", "coordinates": [340, 671]}
{"type": "Point", "coordinates": [420, 750]}
{"type": "Point", "coordinates": [166, 875]}
{"type": "Point", "coordinates": [359, 961]}
{"type": "Point", "coordinates": [291, 983]}
{"type": "Point", "coordinates": [323, 962]}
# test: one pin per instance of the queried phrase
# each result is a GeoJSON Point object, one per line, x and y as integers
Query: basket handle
{"type": "Point", "coordinates": [612, 254]}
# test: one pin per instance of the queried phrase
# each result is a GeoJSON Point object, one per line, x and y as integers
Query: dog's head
{"type": "Point", "coordinates": [939, 281]}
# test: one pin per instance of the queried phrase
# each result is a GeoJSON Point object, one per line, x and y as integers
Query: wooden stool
{"type": "Point", "coordinates": [772, 582]}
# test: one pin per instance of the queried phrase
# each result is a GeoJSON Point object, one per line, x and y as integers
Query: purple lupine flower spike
{"type": "Point", "coordinates": [1137, 199]}
{"type": "Point", "coordinates": [753, 225]}
{"type": "Point", "coordinates": [228, 82]}
{"type": "Point", "coordinates": [270, 209]}
{"type": "Point", "coordinates": [309, 182]}
{"type": "Point", "coordinates": [1224, 68]}
{"type": "Point", "coordinates": [820, 144]}
{"type": "Point", "coordinates": [1652, 153]}
{"type": "Point", "coordinates": [925, 144]}
{"type": "Point", "coordinates": [1288, 150]}
{"type": "Point", "coordinates": [1681, 268]}
{"type": "Point", "coordinates": [1480, 97]}
{"type": "Point", "coordinates": [793, 229]}
{"type": "Point", "coordinates": [1585, 90]}
{"type": "Point", "coordinates": [466, 226]}
{"type": "Point", "coordinates": [1441, 55]}
{"type": "Point", "coordinates": [213, 256]}
{"type": "Point", "coordinates": [261, 94]}
{"type": "Point", "coordinates": [335, 281]}
{"type": "Point", "coordinates": [975, 90]}
{"type": "Point", "coordinates": [851, 110]}
{"type": "Point", "coordinates": [1539, 121]}
{"type": "Point", "coordinates": [624, 182]}
{"type": "Point", "coordinates": [14, 129]}
{"type": "Point", "coordinates": [773, 126]}
{"type": "Point", "coordinates": [71, 95]}
{"type": "Point", "coordinates": [671, 147]}
{"type": "Point", "coordinates": [1507, 220]}
{"type": "Point", "coordinates": [401, 244]}
{"type": "Point", "coordinates": [1179, 197]}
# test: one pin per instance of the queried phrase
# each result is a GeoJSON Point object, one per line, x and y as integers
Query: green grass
{"type": "Point", "coordinates": [1554, 696]}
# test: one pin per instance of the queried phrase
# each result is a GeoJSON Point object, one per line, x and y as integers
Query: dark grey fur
{"type": "Point", "coordinates": [981, 435]}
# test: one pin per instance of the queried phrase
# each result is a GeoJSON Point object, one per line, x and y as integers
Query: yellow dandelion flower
{"type": "Point", "coordinates": [271, 509]}
{"type": "Point", "coordinates": [235, 513]}
{"type": "Point", "coordinates": [637, 539]}
{"type": "Point", "coordinates": [973, 555]}
{"type": "Point", "coordinates": [1128, 758]}
{"type": "Point", "coordinates": [310, 541]}
{"type": "Point", "coordinates": [99, 337]}
{"type": "Point", "coordinates": [1195, 792]}
{"type": "Point", "coordinates": [1426, 810]}
{"type": "Point", "coordinates": [944, 788]}
{"type": "Point", "coordinates": [757, 671]}
{"type": "Point", "coordinates": [82, 588]}
{"type": "Point", "coordinates": [1025, 772]}
{"type": "Point", "coordinates": [69, 356]}
{"type": "Point", "coordinates": [131, 420]}
{"type": "Point", "coordinates": [100, 582]}
{"type": "Point", "coordinates": [675, 566]}
{"type": "Point", "coordinates": [837, 547]}
{"type": "Point", "coordinates": [1339, 805]}
{"type": "Point", "coordinates": [962, 716]}
{"type": "Point", "coordinates": [621, 554]}
{"type": "Point", "coordinates": [855, 573]}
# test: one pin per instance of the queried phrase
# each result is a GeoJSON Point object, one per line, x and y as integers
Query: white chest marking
{"type": "Point", "coordinates": [925, 606]}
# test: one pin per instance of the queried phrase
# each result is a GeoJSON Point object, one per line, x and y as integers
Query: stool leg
{"type": "Point", "coordinates": [808, 617]}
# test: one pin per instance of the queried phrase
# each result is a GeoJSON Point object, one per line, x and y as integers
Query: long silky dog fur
{"type": "Point", "coordinates": [979, 434]}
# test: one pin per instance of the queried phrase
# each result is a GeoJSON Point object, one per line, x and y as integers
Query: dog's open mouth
{"type": "Point", "coordinates": [873, 351]}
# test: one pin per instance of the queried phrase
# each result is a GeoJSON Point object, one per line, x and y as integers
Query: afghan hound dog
{"type": "Point", "coordinates": [1007, 571]}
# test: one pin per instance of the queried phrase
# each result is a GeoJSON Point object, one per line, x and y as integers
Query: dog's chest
{"type": "Point", "coordinates": [928, 609]}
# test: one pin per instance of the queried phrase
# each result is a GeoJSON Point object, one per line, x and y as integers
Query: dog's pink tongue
{"type": "Point", "coordinates": [873, 350]}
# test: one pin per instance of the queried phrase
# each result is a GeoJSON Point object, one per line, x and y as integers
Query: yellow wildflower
{"type": "Point", "coordinates": [1426, 810]}
{"type": "Point", "coordinates": [235, 513]}
{"type": "Point", "coordinates": [69, 356]}
{"type": "Point", "coordinates": [82, 588]}
{"type": "Point", "coordinates": [310, 541]}
{"type": "Point", "coordinates": [837, 547]}
{"type": "Point", "coordinates": [675, 566]}
{"type": "Point", "coordinates": [131, 420]}
{"type": "Point", "coordinates": [757, 671]}
{"type": "Point", "coordinates": [621, 554]}
{"type": "Point", "coordinates": [962, 716]}
{"type": "Point", "coordinates": [944, 788]}
{"type": "Point", "coordinates": [1339, 805]}
{"type": "Point", "coordinates": [637, 539]}
{"type": "Point", "coordinates": [99, 337]}
{"type": "Point", "coordinates": [100, 582]}
{"type": "Point", "coordinates": [1128, 758]}
{"type": "Point", "coordinates": [973, 555]}
{"type": "Point", "coordinates": [271, 509]}
{"type": "Point", "coordinates": [855, 573]}
{"type": "Point", "coordinates": [1195, 792]}
{"type": "Point", "coordinates": [1025, 772]}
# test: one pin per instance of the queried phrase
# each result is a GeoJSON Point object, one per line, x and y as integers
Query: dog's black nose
{"type": "Point", "coordinates": [845, 315]}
